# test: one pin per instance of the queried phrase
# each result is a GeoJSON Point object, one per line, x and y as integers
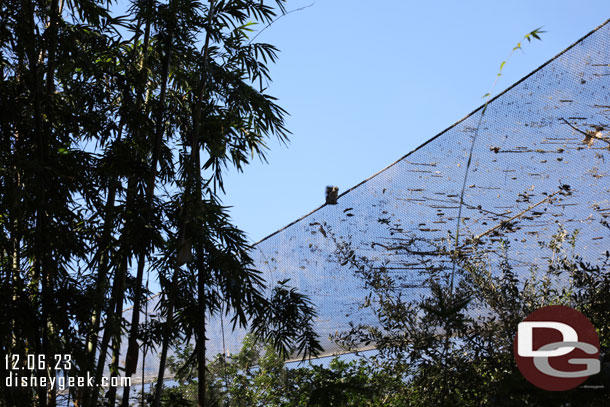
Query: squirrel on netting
{"type": "Point", "coordinates": [332, 193]}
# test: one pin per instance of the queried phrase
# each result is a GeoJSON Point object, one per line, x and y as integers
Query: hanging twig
{"type": "Point", "coordinates": [528, 37]}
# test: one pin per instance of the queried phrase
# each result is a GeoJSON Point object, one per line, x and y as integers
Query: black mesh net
{"type": "Point", "coordinates": [540, 159]}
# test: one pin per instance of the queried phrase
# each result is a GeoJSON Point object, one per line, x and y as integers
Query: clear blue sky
{"type": "Point", "coordinates": [367, 82]}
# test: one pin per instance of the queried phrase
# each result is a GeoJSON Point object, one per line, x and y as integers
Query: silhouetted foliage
{"type": "Point", "coordinates": [115, 132]}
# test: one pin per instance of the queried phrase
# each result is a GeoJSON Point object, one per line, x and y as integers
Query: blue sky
{"type": "Point", "coordinates": [367, 82]}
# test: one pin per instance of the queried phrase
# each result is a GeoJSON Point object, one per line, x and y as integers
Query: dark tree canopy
{"type": "Point", "coordinates": [115, 132]}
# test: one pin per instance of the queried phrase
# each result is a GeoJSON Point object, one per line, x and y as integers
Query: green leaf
{"type": "Point", "coordinates": [485, 95]}
{"type": "Point", "coordinates": [245, 27]}
{"type": "Point", "coordinates": [535, 33]}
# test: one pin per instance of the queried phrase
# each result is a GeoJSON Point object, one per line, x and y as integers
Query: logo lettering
{"type": "Point", "coordinates": [593, 365]}
{"type": "Point", "coordinates": [526, 338]}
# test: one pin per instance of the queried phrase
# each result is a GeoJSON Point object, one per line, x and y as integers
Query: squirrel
{"type": "Point", "coordinates": [332, 193]}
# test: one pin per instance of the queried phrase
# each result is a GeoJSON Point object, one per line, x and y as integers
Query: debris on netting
{"type": "Point", "coordinates": [542, 159]}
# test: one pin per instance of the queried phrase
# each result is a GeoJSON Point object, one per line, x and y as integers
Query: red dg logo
{"type": "Point", "coordinates": [556, 348]}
